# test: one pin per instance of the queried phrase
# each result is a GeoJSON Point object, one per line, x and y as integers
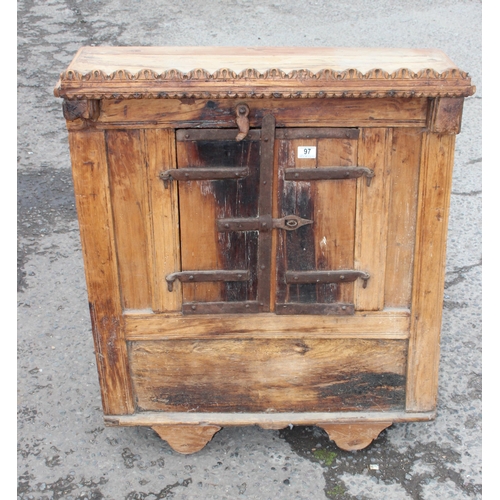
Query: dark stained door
{"type": "Point", "coordinates": [267, 223]}
{"type": "Point", "coordinates": [317, 175]}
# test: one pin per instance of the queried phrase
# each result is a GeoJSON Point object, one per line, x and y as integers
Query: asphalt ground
{"type": "Point", "coordinates": [64, 450]}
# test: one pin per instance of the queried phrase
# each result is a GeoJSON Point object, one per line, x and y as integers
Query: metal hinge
{"type": "Point", "coordinates": [204, 174]}
{"type": "Point", "coordinates": [338, 276]}
{"type": "Point", "coordinates": [328, 173]}
{"type": "Point", "coordinates": [200, 276]}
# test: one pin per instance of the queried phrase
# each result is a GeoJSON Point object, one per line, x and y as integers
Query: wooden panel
{"type": "Point", "coordinates": [211, 59]}
{"type": "Point", "coordinates": [130, 201]}
{"type": "Point", "coordinates": [385, 324]}
{"type": "Point", "coordinates": [160, 150]}
{"type": "Point", "coordinates": [445, 115]}
{"type": "Point", "coordinates": [265, 420]}
{"type": "Point", "coordinates": [261, 71]}
{"type": "Point", "coordinates": [372, 206]}
{"type": "Point", "coordinates": [334, 213]}
{"type": "Point", "coordinates": [197, 209]}
{"type": "Point", "coordinates": [91, 182]}
{"type": "Point", "coordinates": [187, 113]}
{"type": "Point", "coordinates": [298, 199]}
{"type": "Point", "coordinates": [429, 270]}
{"type": "Point", "coordinates": [328, 243]}
{"type": "Point", "coordinates": [269, 375]}
{"type": "Point", "coordinates": [405, 167]}
{"type": "Point", "coordinates": [203, 202]}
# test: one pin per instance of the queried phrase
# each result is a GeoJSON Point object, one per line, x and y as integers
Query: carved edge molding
{"type": "Point", "coordinates": [456, 83]}
{"type": "Point", "coordinates": [225, 74]}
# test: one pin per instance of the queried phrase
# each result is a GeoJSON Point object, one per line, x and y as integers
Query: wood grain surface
{"type": "Point", "coordinates": [105, 72]}
{"type": "Point", "coordinates": [131, 212]}
{"type": "Point", "coordinates": [402, 216]}
{"type": "Point", "coordinates": [269, 375]}
{"type": "Point", "coordinates": [372, 205]}
{"type": "Point", "coordinates": [93, 204]}
{"type": "Point", "coordinates": [185, 59]}
{"type": "Point", "coordinates": [210, 113]}
{"type": "Point", "coordinates": [202, 203]}
{"type": "Point", "coordinates": [163, 200]}
{"type": "Point", "coordinates": [384, 324]}
{"type": "Point", "coordinates": [429, 270]}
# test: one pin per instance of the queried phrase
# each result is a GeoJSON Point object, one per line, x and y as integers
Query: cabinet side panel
{"type": "Point", "coordinates": [160, 155]}
{"type": "Point", "coordinates": [91, 182]}
{"type": "Point", "coordinates": [269, 375]}
{"type": "Point", "coordinates": [372, 204]}
{"type": "Point", "coordinates": [430, 261]}
{"type": "Point", "coordinates": [129, 199]}
{"type": "Point", "coordinates": [405, 166]}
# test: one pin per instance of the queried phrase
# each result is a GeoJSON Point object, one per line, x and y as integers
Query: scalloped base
{"type": "Point", "coordinates": [186, 439]}
{"type": "Point", "coordinates": [352, 437]}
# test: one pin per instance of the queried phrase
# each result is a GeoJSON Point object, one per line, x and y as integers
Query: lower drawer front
{"type": "Point", "coordinates": [269, 375]}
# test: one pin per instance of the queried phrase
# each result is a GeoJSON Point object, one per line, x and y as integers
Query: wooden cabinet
{"type": "Point", "coordinates": [263, 233]}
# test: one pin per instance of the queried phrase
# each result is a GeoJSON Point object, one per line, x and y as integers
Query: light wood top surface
{"type": "Point", "coordinates": [211, 59]}
{"type": "Point", "coordinates": [241, 72]}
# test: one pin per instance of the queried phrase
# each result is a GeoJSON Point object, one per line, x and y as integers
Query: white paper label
{"type": "Point", "coordinates": [306, 152]}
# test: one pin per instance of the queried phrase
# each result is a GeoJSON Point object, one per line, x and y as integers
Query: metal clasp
{"type": "Point", "coordinates": [242, 112]}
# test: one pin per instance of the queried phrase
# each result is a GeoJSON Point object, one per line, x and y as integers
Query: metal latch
{"type": "Point", "coordinates": [242, 112]}
{"type": "Point", "coordinates": [263, 223]}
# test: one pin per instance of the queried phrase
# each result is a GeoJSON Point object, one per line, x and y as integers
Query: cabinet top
{"type": "Point", "coordinates": [217, 72]}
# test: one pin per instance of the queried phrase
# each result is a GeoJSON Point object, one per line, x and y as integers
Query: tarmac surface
{"type": "Point", "coordinates": [64, 449]}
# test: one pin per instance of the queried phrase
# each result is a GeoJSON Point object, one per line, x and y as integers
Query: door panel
{"type": "Point", "coordinates": [333, 216]}
{"type": "Point", "coordinates": [202, 202]}
{"type": "Point", "coordinates": [374, 152]}
{"type": "Point", "coordinates": [294, 374]}
{"type": "Point", "coordinates": [328, 243]}
{"type": "Point", "coordinates": [235, 223]}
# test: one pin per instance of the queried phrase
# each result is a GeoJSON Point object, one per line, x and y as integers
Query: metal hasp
{"type": "Point", "coordinates": [242, 112]}
{"type": "Point", "coordinates": [263, 223]}
{"type": "Point", "coordinates": [199, 276]}
{"type": "Point", "coordinates": [338, 276]}
{"type": "Point", "coordinates": [328, 173]}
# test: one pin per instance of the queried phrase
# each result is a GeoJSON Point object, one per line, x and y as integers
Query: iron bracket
{"type": "Point", "coordinates": [205, 276]}
{"type": "Point", "coordinates": [340, 276]}
{"type": "Point", "coordinates": [328, 173]}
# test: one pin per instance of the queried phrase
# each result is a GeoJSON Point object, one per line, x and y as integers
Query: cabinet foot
{"type": "Point", "coordinates": [186, 439]}
{"type": "Point", "coordinates": [351, 437]}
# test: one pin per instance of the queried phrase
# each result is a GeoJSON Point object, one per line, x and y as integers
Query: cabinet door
{"type": "Point", "coordinates": [267, 223]}
{"type": "Point", "coordinates": [317, 173]}
{"type": "Point", "coordinates": [225, 196]}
